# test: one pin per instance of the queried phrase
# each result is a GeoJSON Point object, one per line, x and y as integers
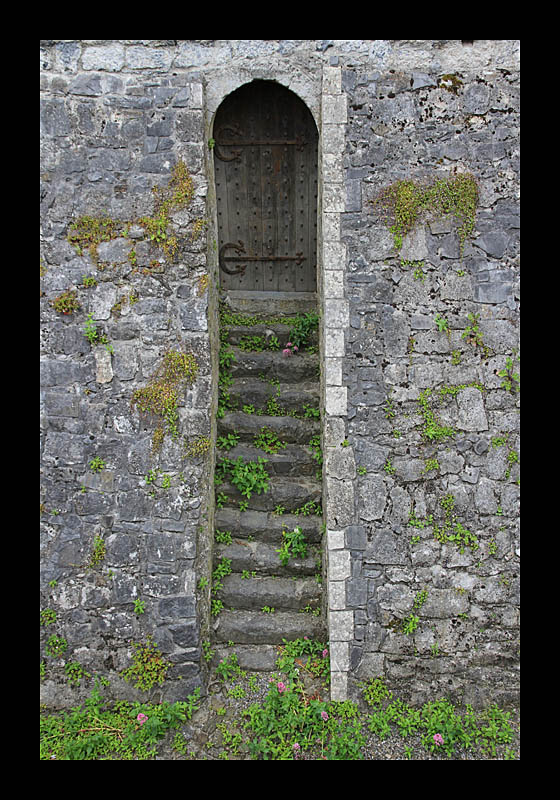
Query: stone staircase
{"type": "Point", "coordinates": [271, 402]}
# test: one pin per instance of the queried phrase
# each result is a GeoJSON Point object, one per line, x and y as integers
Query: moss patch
{"type": "Point", "coordinates": [405, 203]}
{"type": "Point", "coordinates": [160, 397]}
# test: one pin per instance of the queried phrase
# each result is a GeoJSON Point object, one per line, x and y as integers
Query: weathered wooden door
{"type": "Point", "coordinates": [265, 160]}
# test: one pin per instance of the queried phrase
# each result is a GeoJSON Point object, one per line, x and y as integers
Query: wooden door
{"type": "Point", "coordinates": [265, 160]}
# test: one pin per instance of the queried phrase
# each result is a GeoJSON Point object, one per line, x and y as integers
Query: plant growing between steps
{"type": "Point", "coordinates": [301, 329]}
{"type": "Point", "coordinates": [267, 440]}
{"type": "Point", "coordinates": [247, 476]}
{"type": "Point", "coordinates": [293, 545]}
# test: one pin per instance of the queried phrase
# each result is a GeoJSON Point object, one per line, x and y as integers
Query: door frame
{"type": "Point", "coordinates": [216, 103]}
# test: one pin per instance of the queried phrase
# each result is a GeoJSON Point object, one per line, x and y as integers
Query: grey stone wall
{"type": "Point", "coordinates": [112, 129]}
{"type": "Point", "coordinates": [116, 118]}
{"type": "Point", "coordinates": [408, 601]}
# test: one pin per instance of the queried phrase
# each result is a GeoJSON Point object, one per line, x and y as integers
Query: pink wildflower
{"type": "Point", "coordinates": [438, 738]}
{"type": "Point", "coordinates": [281, 687]}
{"type": "Point", "coordinates": [324, 715]}
{"type": "Point", "coordinates": [141, 718]}
{"type": "Point", "coordinates": [325, 653]}
{"type": "Point", "coordinates": [290, 349]}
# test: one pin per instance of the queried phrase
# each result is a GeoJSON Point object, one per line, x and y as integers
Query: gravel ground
{"type": "Point", "coordinates": [202, 737]}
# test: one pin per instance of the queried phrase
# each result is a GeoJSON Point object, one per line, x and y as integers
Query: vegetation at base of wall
{"type": "Point", "coordinates": [440, 726]}
{"type": "Point", "coordinates": [291, 722]}
{"type": "Point", "coordinates": [123, 731]}
{"type": "Point", "coordinates": [294, 723]}
{"type": "Point", "coordinates": [404, 203]}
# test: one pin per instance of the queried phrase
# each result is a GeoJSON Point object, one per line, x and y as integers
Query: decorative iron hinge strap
{"type": "Point", "coordinates": [239, 248]}
{"type": "Point", "coordinates": [235, 155]}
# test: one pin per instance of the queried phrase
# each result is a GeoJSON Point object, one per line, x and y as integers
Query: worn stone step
{"type": "Point", "coordinates": [290, 493]}
{"type": "Point", "coordinates": [264, 334]}
{"type": "Point", "coordinates": [258, 627]}
{"type": "Point", "coordinates": [255, 391]}
{"type": "Point", "coordinates": [290, 461]}
{"type": "Point", "coordinates": [264, 526]}
{"type": "Point", "coordinates": [280, 593]}
{"type": "Point", "coordinates": [260, 658]}
{"type": "Point", "coordinates": [288, 429]}
{"type": "Point", "coordinates": [269, 304]}
{"type": "Point", "coordinates": [250, 657]}
{"type": "Point", "coordinates": [300, 367]}
{"type": "Point", "coordinates": [263, 559]}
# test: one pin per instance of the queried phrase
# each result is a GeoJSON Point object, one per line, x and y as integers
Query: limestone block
{"type": "Point", "coordinates": [472, 416]}
{"type": "Point", "coordinates": [341, 626]}
{"type": "Point", "coordinates": [103, 365]}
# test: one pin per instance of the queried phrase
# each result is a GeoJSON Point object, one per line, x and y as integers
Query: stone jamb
{"type": "Point", "coordinates": [335, 316]}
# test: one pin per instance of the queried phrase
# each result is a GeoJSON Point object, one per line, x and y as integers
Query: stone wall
{"type": "Point", "coordinates": [413, 343]}
{"type": "Point", "coordinates": [429, 331]}
{"type": "Point", "coordinates": [111, 133]}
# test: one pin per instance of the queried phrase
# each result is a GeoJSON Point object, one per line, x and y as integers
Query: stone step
{"type": "Point", "coordinates": [288, 429]}
{"type": "Point", "coordinates": [289, 493]}
{"type": "Point", "coordinates": [259, 627]}
{"type": "Point", "coordinates": [263, 559]}
{"type": "Point", "coordinates": [258, 657]}
{"type": "Point", "coordinates": [251, 391]}
{"type": "Point", "coordinates": [281, 594]}
{"type": "Point", "coordinates": [250, 657]}
{"type": "Point", "coordinates": [269, 304]}
{"type": "Point", "coordinates": [287, 386]}
{"type": "Point", "coordinates": [299, 367]}
{"type": "Point", "coordinates": [264, 335]}
{"type": "Point", "coordinates": [290, 461]}
{"type": "Point", "coordinates": [263, 526]}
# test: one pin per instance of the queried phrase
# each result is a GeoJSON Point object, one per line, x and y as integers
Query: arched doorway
{"type": "Point", "coordinates": [265, 166]}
